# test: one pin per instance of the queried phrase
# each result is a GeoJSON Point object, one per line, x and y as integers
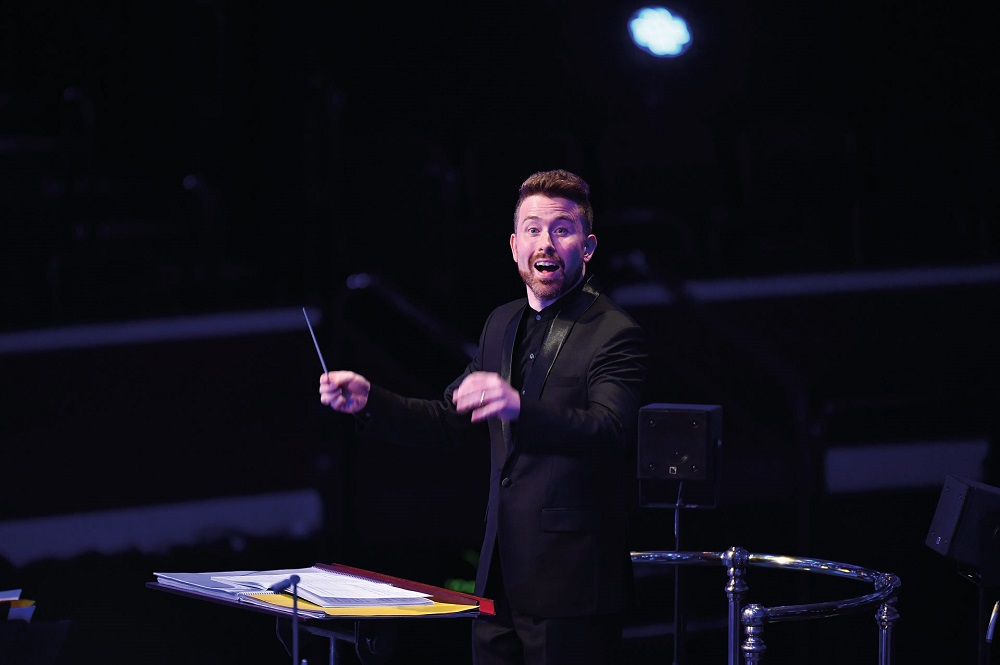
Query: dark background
{"type": "Point", "coordinates": [801, 210]}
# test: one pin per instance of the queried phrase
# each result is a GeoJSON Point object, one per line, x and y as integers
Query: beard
{"type": "Point", "coordinates": [550, 287]}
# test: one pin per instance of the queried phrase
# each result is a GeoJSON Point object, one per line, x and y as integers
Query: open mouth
{"type": "Point", "coordinates": [546, 266]}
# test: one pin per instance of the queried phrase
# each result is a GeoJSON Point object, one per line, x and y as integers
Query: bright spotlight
{"type": "Point", "coordinates": [659, 32]}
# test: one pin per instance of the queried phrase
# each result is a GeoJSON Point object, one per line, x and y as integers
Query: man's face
{"type": "Point", "coordinates": [549, 247]}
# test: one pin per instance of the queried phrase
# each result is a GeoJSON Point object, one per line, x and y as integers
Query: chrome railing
{"type": "Point", "coordinates": [753, 617]}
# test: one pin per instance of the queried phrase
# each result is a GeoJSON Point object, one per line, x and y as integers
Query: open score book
{"type": "Point", "coordinates": [325, 591]}
{"type": "Point", "coordinates": [328, 588]}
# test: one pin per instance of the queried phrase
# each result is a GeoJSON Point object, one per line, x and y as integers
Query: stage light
{"type": "Point", "coordinates": [659, 32]}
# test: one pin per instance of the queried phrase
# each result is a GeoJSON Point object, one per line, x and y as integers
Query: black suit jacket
{"type": "Point", "coordinates": [560, 474]}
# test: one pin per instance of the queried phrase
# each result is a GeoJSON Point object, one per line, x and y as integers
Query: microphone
{"type": "Point", "coordinates": [291, 581]}
{"type": "Point", "coordinates": [284, 584]}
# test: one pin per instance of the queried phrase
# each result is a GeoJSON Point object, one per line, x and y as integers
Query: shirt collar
{"type": "Point", "coordinates": [550, 312]}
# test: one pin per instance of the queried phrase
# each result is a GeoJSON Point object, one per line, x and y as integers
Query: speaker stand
{"type": "Point", "coordinates": [680, 620]}
{"type": "Point", "coordinates": [679, 444]}
{"type": "Point", "coordinates": [680, 629]}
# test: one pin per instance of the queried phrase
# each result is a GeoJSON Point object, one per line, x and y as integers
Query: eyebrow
{"type": "Point", "coordinates": [561, 215]}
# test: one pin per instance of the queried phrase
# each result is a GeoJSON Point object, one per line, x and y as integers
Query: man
{"type": "Point", "coordinates": [557, 381]}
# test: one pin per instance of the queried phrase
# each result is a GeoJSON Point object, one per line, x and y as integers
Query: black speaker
{"type": "Point", "coordinates": [679, 441]}
{"type": "Point", "coordinates": [965, 524]}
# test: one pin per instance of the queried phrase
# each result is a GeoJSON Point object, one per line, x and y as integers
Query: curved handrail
{"type": "Point", "coordinates": [885, 585]}
{"type": "Point", "coordinates": [704, 558]}
{"type": "Point", "coordinates": [754, 616]}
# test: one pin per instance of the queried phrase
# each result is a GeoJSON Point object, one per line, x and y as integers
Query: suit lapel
{"type": "Point", "coordinates": [559, 330]}
{"type": "Point", "coordinates": [507, 351]}
{"type": "Point", "coordinates": [506, 361]}
{"type": "Point", "coordinates": [561, 326]}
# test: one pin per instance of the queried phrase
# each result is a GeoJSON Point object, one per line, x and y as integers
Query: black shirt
{"type": "Point", "coordinates": [531, 333]}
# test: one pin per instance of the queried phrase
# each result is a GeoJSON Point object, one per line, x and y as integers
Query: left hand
{"type": "Point", "coordinates": [485, 394]}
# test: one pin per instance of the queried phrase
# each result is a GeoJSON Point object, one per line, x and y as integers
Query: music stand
{"type": "Point", "coordinates": [371, 634]}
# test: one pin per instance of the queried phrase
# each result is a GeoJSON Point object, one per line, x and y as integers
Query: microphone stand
{"type": "Point", "coordinates": [295, 619]}
{"type": "Point", "coordinates": [292, 581]}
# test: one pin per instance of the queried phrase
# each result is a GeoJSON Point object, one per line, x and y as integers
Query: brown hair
{"type": "Point", "coordinates": [559, 183]}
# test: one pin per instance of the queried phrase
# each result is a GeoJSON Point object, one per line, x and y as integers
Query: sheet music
{"type": "Point", "coordinates": [330, 589]}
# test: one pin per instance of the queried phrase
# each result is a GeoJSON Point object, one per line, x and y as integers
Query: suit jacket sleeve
{"type": "Point", "coordinates": [411, 421]}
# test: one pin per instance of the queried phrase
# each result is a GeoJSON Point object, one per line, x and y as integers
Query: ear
{"type": "Point", "coordinates": [589, 245]}
{"type": "Point", "coordinates": [513, 246]}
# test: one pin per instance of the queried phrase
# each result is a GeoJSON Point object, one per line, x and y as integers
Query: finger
{"type": "Point", "coordinates": [463, 398]}
{"type": "Point", "coordinates": [481, 414]}
{"type": "Point", "coordinates": [340, 403]}
{"type": "Point", "coordinates": [330, 396]}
